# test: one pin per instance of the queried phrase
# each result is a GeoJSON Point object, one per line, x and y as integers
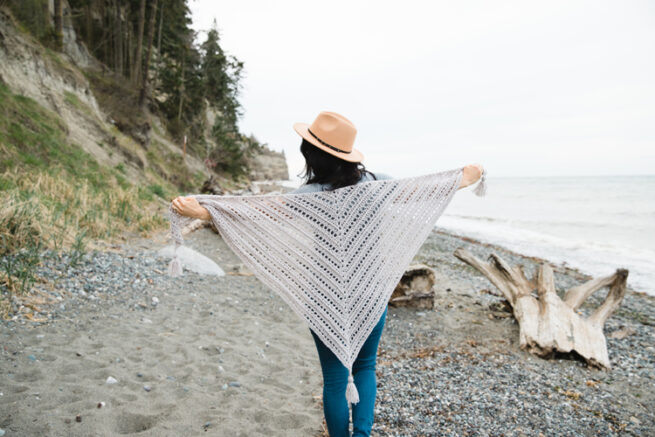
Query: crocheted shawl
{"type": "Point", "coordinates": [335, 256]}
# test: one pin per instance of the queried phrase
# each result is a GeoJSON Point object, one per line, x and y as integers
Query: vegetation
{"type": "Point", "coordinates": [152, 62]}
{"type": "Point", "coordinates": [57, 196]}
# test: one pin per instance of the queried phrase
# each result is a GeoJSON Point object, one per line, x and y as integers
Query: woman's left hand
{"type": "Point", "coordinates": [189, 207]}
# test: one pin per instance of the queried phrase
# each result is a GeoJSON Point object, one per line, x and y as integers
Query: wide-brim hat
{"type": "Point", "coordinates": [333, 133]}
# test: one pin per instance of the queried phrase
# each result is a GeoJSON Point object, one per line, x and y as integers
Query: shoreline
{"type": "Point", "coordinates": [224, 354]}
{"type": "Point", "coordinates": [573, 271]}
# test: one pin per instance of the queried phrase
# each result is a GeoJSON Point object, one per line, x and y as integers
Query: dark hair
{"type": "Point", "coordinates": [324, 168]}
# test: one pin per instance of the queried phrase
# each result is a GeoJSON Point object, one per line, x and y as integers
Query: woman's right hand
{"type": "Point", "coordinates": [472, 174]}
{"type": "Point", "coordinates": [189, 207]}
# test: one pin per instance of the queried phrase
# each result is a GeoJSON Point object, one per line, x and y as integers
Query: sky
{"type": "Point", "coordinates": [525, 88]}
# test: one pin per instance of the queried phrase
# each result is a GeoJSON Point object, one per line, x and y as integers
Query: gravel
{"type": "Point", "coordinates": [438, 376]}
{"type": "Point", "coordinates": [453, 371]}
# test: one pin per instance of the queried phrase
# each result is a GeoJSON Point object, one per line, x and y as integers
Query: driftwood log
{"type": "Point", "coordinates": [415, 288]}
{"type": "Point", "coordinates": [548, 323]}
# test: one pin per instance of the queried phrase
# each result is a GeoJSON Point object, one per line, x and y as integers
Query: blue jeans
{"type": "Point", "coordinates": [335, 379]}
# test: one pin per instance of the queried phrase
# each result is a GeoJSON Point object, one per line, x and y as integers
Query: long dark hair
{"type": "Point", "coordinates": [324, 168]}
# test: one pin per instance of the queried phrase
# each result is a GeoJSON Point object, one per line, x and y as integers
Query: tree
{"type": "Point", "coordinates": [146, 68]}
{"type": "Point", "coordinates": [139, 43]}
{"type": "Point", "coordinates": [119, 38]}
{"type": "Point", "coordinates": [59, 23]}
{"type": "Point", "coordinates": [221, 76]}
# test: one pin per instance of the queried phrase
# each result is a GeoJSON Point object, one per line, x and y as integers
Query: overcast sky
{"type": "Point", "coordinates": [522, 87]}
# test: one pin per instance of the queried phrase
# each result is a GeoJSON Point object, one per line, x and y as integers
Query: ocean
{"type": "Point", "coordinates": [593, 223]}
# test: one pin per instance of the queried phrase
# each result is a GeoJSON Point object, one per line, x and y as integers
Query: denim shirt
{"type": "Point", "coordinates": [309, 188]}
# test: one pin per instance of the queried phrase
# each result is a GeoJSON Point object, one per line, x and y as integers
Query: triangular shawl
{"type": "Point", "coordinates": [335, 256]}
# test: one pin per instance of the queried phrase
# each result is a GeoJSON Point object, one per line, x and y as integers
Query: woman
{"type": "Point", "coordinates": [332, 162]}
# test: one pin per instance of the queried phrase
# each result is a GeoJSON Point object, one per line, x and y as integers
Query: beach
{"type": "Point", "coordinates": [123, 349]}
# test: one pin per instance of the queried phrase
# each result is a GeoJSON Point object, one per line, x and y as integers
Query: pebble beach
{"type": "Point", "coordinates": [116, 347]}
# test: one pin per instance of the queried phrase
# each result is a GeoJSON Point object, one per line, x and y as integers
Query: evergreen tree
{"type": "Point", "coordinates": [189, 79]}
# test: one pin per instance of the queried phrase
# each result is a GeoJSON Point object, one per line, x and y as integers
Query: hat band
{"type": "Point", "coordinates": [326, 144]}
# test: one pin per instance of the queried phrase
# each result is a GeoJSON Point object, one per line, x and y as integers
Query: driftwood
{"type": "Point", "coordinates": [547, 323]}
{"type": "Point", "coordinates": [415, 288]}
{"type": "Point", "coordinates": [212, 186]}
{"type": "Point", "coordinates": [194, 225]}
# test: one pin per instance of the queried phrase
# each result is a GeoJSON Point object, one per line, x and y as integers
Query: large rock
{"type": "Point", "coordinates": [269, 165]}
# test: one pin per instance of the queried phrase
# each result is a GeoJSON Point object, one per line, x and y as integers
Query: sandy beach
{"type": "Point", "coordinates": [124, 349]}
{"type": "Point", "coordinates": [112, 109]}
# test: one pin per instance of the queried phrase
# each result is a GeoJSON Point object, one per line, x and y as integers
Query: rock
{"type": "Point", "coordinates": [111, 380]}
{"type": "Point", "coordinates": [235, 384]}
{"type": "Point", "coordinates": [147, 388]}
{"type": "Point", "coordinates": [78, 418]}
{"type": "Point", "coordinates": [193, 260]}
{"type": "Point", "coordinates": [622, 333]}
{"type": "Point", "coordinates": [267, 164]}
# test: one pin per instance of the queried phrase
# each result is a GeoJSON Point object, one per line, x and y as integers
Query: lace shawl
{"type": "Point", "coordinates": [336, 256]}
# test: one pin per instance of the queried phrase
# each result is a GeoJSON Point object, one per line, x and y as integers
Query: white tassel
{"type": "Point", "coordinates": [481, 189]}
{"type": "Point", "coordinates": [175, 266]}
{"type": "Point", "coordinates": [352, 395]}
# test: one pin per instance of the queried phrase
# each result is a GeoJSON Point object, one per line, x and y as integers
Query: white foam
{"type": "Point", "coordinates": [593, 257]}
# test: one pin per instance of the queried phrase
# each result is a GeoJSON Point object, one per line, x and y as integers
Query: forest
{"type": "Point", "coordinates": [151, 61]}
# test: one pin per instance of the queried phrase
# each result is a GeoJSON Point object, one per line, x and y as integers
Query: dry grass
{"type": "Point", "coordinates": [64, 207]}
{"type": "Point", "coordinates": [51, 210]}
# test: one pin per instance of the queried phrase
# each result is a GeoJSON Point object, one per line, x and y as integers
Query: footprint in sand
{"type": "Point", "coordinates": [47, 358]}
{"type": "Point", "coordinates": [130, 423]}
{"type": "Point", "coordinates": [128, 397]}
{"type": "Point", "coordinates": [282, 420]}
{"type": "Point", "coordinates": [14, 389]}
{"type": "Point", "coordinates": [29, 376]}
{"type": "Point", "coordinates": [284, 388]}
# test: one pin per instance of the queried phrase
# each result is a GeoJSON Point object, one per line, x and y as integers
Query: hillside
{"type": "Point", "coordinates": [82, 165]}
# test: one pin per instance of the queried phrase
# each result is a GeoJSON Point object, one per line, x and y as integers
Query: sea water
{"type": "Point", "coordinates": [594, 223]}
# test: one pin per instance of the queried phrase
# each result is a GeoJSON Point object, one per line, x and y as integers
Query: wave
{"type": "Point", "coordinates": [542, 221]}
{"type": "Point", "coordinates": [595, 257]}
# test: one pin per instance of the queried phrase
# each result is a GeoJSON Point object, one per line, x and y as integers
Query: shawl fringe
{"type": "Point", "coordinates": [352, 395]}
{"type": "Point", "coordinates": [481, 188]}
{"type": "Point", "coordinates": [175, 266]}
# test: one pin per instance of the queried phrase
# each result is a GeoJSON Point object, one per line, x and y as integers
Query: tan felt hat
{"type": "Point", "coordinates": [333, 133]}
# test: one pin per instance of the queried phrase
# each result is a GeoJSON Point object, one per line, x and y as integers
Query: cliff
{"type": "Point", "coordinates": [269, 165]}
{"type": "Point", "coordinates": [95, 165]}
